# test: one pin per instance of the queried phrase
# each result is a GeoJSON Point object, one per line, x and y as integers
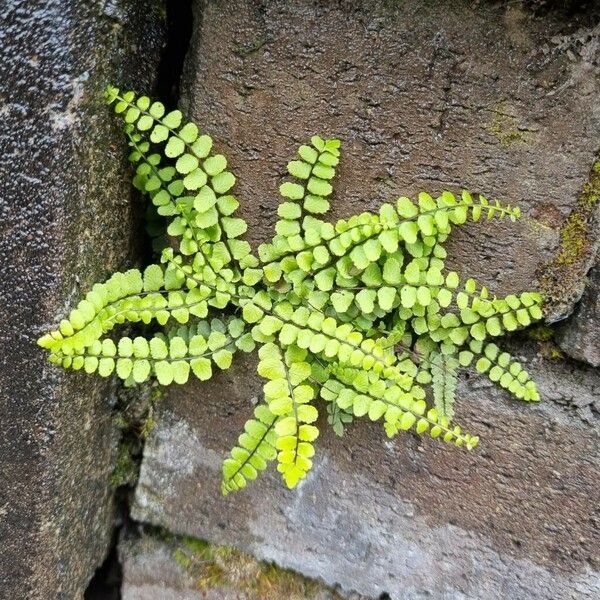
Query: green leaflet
{"type": "Point", "coordinates": [361, 314]}
{"type": "Point", "coordinates": [189, 349]}
{"type": "Point", "coordinates": [443, 370]}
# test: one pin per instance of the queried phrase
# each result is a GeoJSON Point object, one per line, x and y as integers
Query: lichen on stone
{"type": "Point", "coordinates": [507, 129]}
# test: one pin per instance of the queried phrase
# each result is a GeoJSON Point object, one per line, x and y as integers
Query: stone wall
{"type": "Point", "coordinates": [497, 97]}
{"type": "Point", "coordinates": [424, 95]}
{"type": "Point", "coordinates": [67, 219]}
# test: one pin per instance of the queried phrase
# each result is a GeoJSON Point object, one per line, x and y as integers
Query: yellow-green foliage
{"type": "Point", "coordinates": [361, 313]}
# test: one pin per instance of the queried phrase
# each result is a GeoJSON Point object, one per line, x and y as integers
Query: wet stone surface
{"type": "Point", "coordinates": [160, 566]}
{"type": "Point", "coordinates": [407, 516]}
{"type": "Point", "coordinates": [66, 220]}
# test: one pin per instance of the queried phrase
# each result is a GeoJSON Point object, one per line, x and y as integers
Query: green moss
{"type": "Point", "coordinates": [563, 274]}
{"type": "Point", "coordinates": [134, 416]}
{"type": "Point", "coordinates": [182, 558]}
{"type": "Point", "coordinates": [148, 424]}
{"type": "Point", "coordinates": [215, 566]}
{"type": "Point", "coordinates": [506, 128]}
{"type": "Point", "coordinates": [542, 333]}
{"type": "Point", "coordinates": [162, 11]}
{"type": "Point", "coordinates": [573, 239]}
{"type": "Point", "coordinates": [550, 351]}
{"type": "Point", "coordinates": [126, 467]}
{"type": "Point", "coordinates": [198, 547]}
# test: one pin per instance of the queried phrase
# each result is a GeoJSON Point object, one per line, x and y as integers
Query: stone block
{"type": "Point", "coordinates": [429, 96]}
{"type": "Point", "coordinates": [67, 219]}
{"type": "Point", "coordinates": [424, 96]}
{"type": "Point", "coordinates": [408, 517]}
{"type": "Point", "coordinates": [579, 337]}
{"type": "Point", "coordinates": [160, 566]}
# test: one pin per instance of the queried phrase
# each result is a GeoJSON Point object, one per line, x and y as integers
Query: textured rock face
{"type": "Point", "coordinates": [150, 571]}
{"type": "Point", "coordinates": [424, 96]}
{"type": "Point", "coordinates": [410, 517]}
{"type": "Point", "coordinates": [566, 275]}
{"type": "Point", "coordinates": [66, 220]}
{"type": "Point", "coordinates": [580, 336]}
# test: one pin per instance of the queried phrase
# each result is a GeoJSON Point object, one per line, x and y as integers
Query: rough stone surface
{"type": "Point", "coordinates": [66, 220]}
{"type": "Point", "coordinates": [424, 96]}
{"type": "Point", "coordinates": [566, 275]}
{"type": "Point", "coordinates": [150, 571]}
{"type": "Point", "coordinates": [410, 517]}
{"type": "Point", "coordinates": [580, 336]}
{"type": "Point", "coordinates": [164, 567]}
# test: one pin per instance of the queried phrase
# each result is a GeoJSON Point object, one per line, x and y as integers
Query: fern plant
{"type": "Point", "coordinates": [360, 313]}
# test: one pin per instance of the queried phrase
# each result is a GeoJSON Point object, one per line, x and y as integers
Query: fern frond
{"type": "Point", "coordinates": [205, 179]}
{"type": "Point", "coordinates": [288, 396]}
{"type": "Point", "coordinates": [503, 369]}
{"type": "Point", "coordinates": [313, 170]}
{"type": "Point", "coordinates": [354, 245]}
{"type": "Point", "coordinates": [167, 193]}
{"type": "Point", "coordinates": [338, 418]}
{"type": "Point", "coordinates": [168, 358]}
{"type": "Point", "coordinates": [220, 288]}
{"type": "Point", "coordinates": [478, 317]}
{"type": "Point", "coordinates": [400, 410]}
{"type": "Point", "coordinates": [255, 449]}
{"type": "Point", "coordinates": [313, 331]}
{"type": "Point", "coordinates": [126, 297]}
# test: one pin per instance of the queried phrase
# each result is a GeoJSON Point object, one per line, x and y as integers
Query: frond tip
{"type": "Point", "coordinates": [255, 449]}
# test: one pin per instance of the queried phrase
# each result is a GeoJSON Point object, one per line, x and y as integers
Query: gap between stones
{"type": "Point", "coordinates": [134, 411]}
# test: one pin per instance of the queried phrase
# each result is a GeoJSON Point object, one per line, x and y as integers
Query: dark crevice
{"type": "Point", "coordinates": [135, 413]}
{"type": "Point", "coordinates": [106, 582]}
{"type": "Point", "coordinates": [564, 8]}
{"type": "Point", "coordinates": [179, 34]}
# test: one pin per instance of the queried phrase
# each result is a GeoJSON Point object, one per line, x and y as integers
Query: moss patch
{"type": "Point", "coordinates": [126, 469]}
{"type": "Point", "coordinates": [135, 418]}
{"type": "Point", "coordinates": [563, 276]}
{"type": "Point", "coordinates": [542, 333]}
{"type": "Point", "coordinates": [506, 128]}
{"type": "Point", "coordinates": [223, 567]}
{"type": "Point", "coordinates": [551, 351]}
